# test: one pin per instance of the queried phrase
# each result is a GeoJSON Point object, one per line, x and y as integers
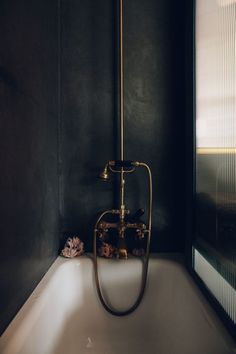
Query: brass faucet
{"type": "Point", "coordinates": [103, 227]}
{"type": "Point", "coordinates": [121, 226]}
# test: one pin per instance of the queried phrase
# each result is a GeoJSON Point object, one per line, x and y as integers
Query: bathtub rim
{"type": "Point", "coordinates": [37, 294]}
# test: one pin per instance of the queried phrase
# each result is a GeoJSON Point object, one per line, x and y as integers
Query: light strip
{"type": "Point", "coordinates": [215, 151]}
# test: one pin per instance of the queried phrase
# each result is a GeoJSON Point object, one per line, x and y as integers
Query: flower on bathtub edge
{"type": "Point", "coordinates": [106, 250]}
{"type": "Point", "coordinates": [74, 247]}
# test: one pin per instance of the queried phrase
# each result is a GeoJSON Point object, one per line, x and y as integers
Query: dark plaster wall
{"type": "Point", "coordinates": [58, 126]}
{"type": "Point", "coordinates": [154, 110]}
{"type": "Point", "coordinates": [28, 148]}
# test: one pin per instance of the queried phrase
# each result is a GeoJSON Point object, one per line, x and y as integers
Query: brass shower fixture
{"type": "Point", "coordinates": [103, 226]}
{"type": "Point", "coordinates": [104, 175]}
{"type": "Point", "coordinates": [140, 229]}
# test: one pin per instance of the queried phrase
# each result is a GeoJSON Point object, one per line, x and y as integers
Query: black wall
{"type": "Point", "coordinates": [58, 127]}
{"type": "Point", "coordinates": [28, 148]}
{"type": "Point", "coordinates": [154, 112]}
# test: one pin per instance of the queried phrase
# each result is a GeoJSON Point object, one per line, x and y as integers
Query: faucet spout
{"type": "Point", "coordinates": [122, 252]}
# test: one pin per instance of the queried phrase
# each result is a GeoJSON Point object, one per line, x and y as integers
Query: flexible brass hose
{"type": "Point", "coordinates": [145, 259]}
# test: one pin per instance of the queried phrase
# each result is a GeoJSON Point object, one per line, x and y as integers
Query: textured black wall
{"type": "Point", "coordinates": [154, 110]}
{"type": "Point", "coordinates": [82, 130]}
{"type": "Point", "coordinates": [28, 148]}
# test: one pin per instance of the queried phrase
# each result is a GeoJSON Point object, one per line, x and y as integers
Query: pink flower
{"type": "Point", "coordinates": [106, 250]}
{"type": "Point", "coordinates": [74, 247]}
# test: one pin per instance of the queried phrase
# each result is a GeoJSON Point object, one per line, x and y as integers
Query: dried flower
{"type": "Point", "coordinates": [74, 247]}
{"type": "Point", "coordinates": [106, 250]}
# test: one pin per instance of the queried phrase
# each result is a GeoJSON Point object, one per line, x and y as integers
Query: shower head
{"type": "Point", "coordinates": [104, 174]}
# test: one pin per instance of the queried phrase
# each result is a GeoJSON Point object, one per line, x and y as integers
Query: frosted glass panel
{"type": "Point", "coordinates": [216, 136]}
{"type": "Point", "coordinates": [215, 73]}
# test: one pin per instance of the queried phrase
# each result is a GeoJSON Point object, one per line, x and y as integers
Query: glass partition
{"type": "Point", "coordinates": [215, 213]}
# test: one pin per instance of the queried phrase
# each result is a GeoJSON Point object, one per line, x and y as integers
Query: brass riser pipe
{"type": "Point", "coordinates": [121, 72]}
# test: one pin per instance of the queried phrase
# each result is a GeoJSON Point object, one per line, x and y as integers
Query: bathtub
{"type": "Point", "coordinates": [64, 316]}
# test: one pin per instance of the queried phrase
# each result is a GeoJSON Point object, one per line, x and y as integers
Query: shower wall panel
{"type": "Point", "coordinates": [154, 112]}
{"type": "Point", "coordinates": [215, 208]}
{"type": "Point", "coordinates": [28, 148]}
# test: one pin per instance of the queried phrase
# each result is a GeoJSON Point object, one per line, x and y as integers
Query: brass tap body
{"type": "Point", "coordinates": [121, 226]}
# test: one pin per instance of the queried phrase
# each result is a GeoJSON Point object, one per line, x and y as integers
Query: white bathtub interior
{"type": "Point", "coordinates": [64, 316]}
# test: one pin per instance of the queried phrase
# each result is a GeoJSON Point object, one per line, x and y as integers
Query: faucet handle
{"type": "Point", "coordinates": [137, 215]}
